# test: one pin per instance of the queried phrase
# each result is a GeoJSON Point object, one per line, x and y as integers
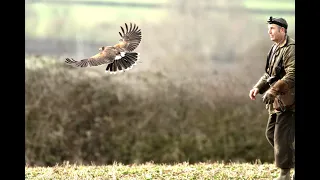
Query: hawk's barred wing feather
{"type": "Point", "coordinates": [131, 37]}
{"type": "Point", "coordinates": [96, 60]}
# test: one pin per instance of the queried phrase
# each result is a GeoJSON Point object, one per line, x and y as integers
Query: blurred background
{"type": "Point", "coordinates": [187, 100]}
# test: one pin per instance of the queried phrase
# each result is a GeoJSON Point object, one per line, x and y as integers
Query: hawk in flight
{"type": "Point", "coordinates": [118, 57]}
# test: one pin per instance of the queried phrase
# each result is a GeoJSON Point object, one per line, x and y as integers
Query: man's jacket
{"type": "Point", "coordinates": [281, 63]}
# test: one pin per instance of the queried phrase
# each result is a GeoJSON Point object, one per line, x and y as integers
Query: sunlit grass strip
{"type": "Point", "coordinates": [219, 171]}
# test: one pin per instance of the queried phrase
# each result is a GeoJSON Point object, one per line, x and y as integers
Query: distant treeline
{"type": "Point", "coordinates": [157, 5]}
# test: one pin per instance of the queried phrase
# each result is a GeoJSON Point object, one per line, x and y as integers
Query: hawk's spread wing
{"type": "Point", "coordinates": [96, 60]}
{"type": "Point", "coordinates": [130, 38]}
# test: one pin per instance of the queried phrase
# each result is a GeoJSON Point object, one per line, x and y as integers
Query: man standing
{"type": "Point", "coordinates": [278, 84]}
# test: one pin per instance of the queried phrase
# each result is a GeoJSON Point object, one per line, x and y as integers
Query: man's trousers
{"type": "Point", "coordinates": [280, 133]}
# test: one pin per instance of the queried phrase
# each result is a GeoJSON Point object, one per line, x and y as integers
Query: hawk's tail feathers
{"type": "Point", "coordinates": [125, 62]}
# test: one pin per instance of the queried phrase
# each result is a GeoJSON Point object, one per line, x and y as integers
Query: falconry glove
{"type": "Point", "coordinates": [269, 97]}
{"type": "Point", "coordinates": [278, 88]}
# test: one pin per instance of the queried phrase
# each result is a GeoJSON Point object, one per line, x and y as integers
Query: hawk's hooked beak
{"type": "Point", "coordinates": [101, 49]}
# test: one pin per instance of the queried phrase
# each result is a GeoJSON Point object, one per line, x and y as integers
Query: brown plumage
{"type": "Point", "coordinates": [118, 57]}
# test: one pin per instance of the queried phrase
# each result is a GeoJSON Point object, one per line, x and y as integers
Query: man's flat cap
{"type": "Point", "coordinates": [279, 21]}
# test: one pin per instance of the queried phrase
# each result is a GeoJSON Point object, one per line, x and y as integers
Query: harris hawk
{"type": "Point", "coordinates": [119, 57]}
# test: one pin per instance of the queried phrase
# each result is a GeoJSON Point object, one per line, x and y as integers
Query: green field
{"type": "Point", "coordinates": [131, 1]}
{"type": "Point", "coordinates": [54, 20]}
{"type": "Point", "coordinates": [82, 19]}
{"type": "Point", "coordinates": [218, 171]}
{"type": "Point", "coordinates": [270, 4]}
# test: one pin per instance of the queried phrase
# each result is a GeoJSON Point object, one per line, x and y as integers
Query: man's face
{"type": "Point", "coordinates": [275, 32]}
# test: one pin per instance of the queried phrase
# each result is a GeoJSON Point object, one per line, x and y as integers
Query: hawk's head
{"type": "Point", "coordinates": [101, 49]}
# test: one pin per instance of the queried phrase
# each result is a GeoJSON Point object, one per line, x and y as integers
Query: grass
{"type": "Point", "coordinates": [219, 171]}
